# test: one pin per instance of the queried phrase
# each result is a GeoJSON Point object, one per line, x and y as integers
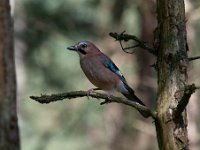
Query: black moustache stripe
{"type": "Point", "coordinates": [82, 51]}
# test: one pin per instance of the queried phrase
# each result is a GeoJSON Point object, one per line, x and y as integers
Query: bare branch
{"type": "Point", "coordinates": [126, 37]}
{"type": "Point", "coordinates": [131, 47]}
{"type": "Point", "coordinates": [188, 91]}
{"type": "Point", "coordinates": [193, 58]}
{"type": "Point", "coordinates": [75, 94]}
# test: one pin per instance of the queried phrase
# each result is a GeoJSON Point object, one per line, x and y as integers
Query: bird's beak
{"type": "Point", "coordinates": [73, 48]}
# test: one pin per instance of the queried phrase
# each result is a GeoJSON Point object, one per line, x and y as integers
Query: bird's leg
{"type": "Point", "coordinates": [108, 100]}
{"type": "Point", "coordinates": [91, 91]}
{"type": "Point", "coordinates": [110, 93]}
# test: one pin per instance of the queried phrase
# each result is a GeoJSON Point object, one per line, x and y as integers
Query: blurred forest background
{"type": "Point", "coordinates": [43, 30]}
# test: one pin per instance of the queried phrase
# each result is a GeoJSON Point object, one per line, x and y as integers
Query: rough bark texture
{"type": "Point", "coordinates": [9, 135]}
{"type": "Point", "coordinates": [172, 74]}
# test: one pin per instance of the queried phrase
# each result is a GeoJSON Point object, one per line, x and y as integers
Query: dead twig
{"type": "Point", "coordinates": [193, 58]}
{"type": "Point", "coordinates": [139, 43]}
{"type": "Point", "coordinates": [188, 91]}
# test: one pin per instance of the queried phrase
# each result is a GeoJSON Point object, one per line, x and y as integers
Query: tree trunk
{"type": "Point", "coordinates": [9, 135]}
{"type": "Point", "coordinates": [172, 74]}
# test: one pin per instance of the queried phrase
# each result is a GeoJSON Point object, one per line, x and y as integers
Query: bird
{"type": "Point", "coordinates": [102, 72]}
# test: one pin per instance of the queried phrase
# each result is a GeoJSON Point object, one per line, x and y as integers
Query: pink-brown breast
{"type": "Point", "coordinates": [97, 73]}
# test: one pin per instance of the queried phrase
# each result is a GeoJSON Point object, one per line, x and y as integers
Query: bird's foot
{"type": "Point", "coordinates": [106, 101]}
{"type": "Point", "coordinates": [89, 92]}
{"type": "Point", "coordinates": [109, 95]}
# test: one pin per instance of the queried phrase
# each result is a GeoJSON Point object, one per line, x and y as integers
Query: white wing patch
{"type": "Point", "coordinates": [119, 73]}
{"type": "Point", "coordinates": [122, 88]}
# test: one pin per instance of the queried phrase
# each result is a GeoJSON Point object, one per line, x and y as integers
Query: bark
{"type": "Point", "coordinates": [9, 135]}
{"type": "Point", "coordinates": [172, 74]}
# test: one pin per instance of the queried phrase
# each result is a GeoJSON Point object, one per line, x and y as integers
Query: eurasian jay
{"type": "Point", "coordinates": [102, 72]}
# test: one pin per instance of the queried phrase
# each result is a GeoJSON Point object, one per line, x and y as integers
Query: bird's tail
{"type": "Point", "coordinates": [131, 96]}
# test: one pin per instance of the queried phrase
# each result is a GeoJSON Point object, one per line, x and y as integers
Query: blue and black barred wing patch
{"type": "Point", "coordinates": [112, 67]}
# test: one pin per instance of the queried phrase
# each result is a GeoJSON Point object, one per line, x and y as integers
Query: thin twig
{"type": "Point", "coordinates": [124, 49]}
{"type": "Point", "coordinates": [126, 37]}
{"type": "Point", "coordinates": [75, 94]}
{"type": "Point", "coordinates": [193, 58]}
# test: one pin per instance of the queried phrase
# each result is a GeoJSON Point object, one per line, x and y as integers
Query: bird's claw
{"type": "Point", "coordinates": [89, 92]}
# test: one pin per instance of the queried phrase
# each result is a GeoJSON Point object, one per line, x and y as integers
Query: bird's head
{"type": "Point", "coordinates": [84, 48]}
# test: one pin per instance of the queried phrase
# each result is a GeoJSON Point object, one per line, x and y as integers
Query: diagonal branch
{"type": "Point", "coordinates": [188, 91]}
{"type": "Point", "coordinates": [193, 58]}
{"type": "Point", "coordinates": [75, 94]}
{"type": "Point", "coordinates": [139, 43]}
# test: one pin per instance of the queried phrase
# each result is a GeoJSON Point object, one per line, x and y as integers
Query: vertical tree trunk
{"type": "Point", "coordinates": [9, 135]}
{"type": "Point", "coordinates": [172, 74]}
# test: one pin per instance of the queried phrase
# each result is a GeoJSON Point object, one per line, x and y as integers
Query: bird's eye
{"type": "Point", "coordinates": [84, 45]}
